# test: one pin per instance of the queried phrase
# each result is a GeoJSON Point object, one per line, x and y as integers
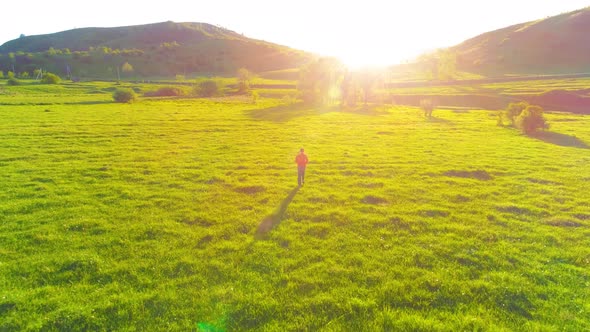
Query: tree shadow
{"type": "Point", "coordinates": [433, 119]}
{"type": "Point", "coordinates": [89, 102]}
{"type": "Point", "coordinates": [286, 113]}
{"type": "Point", "coordinates": [273, 220]}
{"type": "Point", "coordinates": [370, 110]}
{"type": "Point", "coordinates": [560, 139]}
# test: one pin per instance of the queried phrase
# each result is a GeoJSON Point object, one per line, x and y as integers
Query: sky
{"type": "Point", "coordinates": [360, 33]}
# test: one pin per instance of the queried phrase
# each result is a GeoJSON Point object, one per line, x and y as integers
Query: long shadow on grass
{"type": "Point", "coordinates": [283, 113]}
{"type": "Point", "coordinates": [90, 102]}
{"type": "Point", "coordinates": [275, 219]}
{"type": "Point", "coordinates": [433, 119]}
{"type": "Point", "coordinates": [286, 113]}
{"type": "Point", "coordinates": [561, 139]}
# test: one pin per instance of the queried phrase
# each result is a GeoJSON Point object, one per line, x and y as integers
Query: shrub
{"type": "Point", "coordinates": [514, 109]}
{"type": "Point", "coordinates": [531, 119]}
{"type": "Point", "coordinates": [499, 119]}
{"type": "Point", "coordinates": [427, 106]}
{"type": "Point", "coordinates": [167, 91]}
{"type": "Point", "coordinates": [255, 96]}
{"type": "Point", "coordinates": [123, 95]}
{"type": "Point", "coordinates": [12, 81]}
{"type": "Point", "coordinates": [1, 74]}
{"type": "Point", "coordinates": [49, 78]}
{"type": "Point", "coordinates": [209, 88]}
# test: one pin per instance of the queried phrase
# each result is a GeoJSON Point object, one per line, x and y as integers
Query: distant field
{"type": "Point", "coordinates": [183, 214]}
{"type": "Point", "coordinates": [569, 95]}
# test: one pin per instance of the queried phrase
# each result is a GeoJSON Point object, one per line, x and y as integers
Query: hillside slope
{"type": "Point", "coordinates": [160, 49]}
{"type": "Point", "coordinates": [559, 44]}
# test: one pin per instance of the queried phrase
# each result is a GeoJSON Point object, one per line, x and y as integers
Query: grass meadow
{"type": "Point", "coordinates": [185, 215]}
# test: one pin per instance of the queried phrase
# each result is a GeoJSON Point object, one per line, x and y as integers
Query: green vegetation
{"type": "Point", "coordinates": [12, 81]}
{"type": "Point", "coordinates": [513, 111]}
{"type": "Point", "coordinates": [555, 45]}
{"type": "Point", "coordinates": [209, 88]}
{"type": "Point", "coordinates": [326, 82]}
{"type": "Point", "coordinates": [563, 94]}
{"type": "Point", "coordinates": [146, 51]}
{"type": "Point", "coordinates": [183, 215]}
{"type": "Point", "coordinates": [167, 91]}
{"type": "Point", "coordinates": [123, 95]}
{"type": "Point", "coordinates": [50, 78]}
{"type": "Point", "coordinates": [531, 119]}
{"type": "Point", "coordinates": [244, 80]}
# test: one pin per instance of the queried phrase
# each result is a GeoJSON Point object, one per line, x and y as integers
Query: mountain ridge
{"type": "Point", "coordinates": [165, 48]}
{"type": "Point", "coordinates": [555, 45]}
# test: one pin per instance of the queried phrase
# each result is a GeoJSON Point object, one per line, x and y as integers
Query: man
{"type": "Point", "coordinates": [301, 161]}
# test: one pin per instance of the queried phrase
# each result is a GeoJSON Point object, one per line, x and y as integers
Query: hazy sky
{"type": "Point", "coordinates": [358, 32]}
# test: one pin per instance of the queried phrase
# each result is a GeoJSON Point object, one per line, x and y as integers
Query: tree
{"type": "Point", "coordinates": [10, 74]}
{"type": "Point", "coordinates": [531, 119]}
{"type": "Point", "coordinates": [514, 109]}
{"type": "Point", "coordinates": [349, 90]}
{"type": "Point", "coordinates": [127, 67]}
{"type": "Point", "coordinates": [447, 65]}
{"type": "Point", "coordinates": [320, 81]}
{"type": "Point", "coordinates": [1, 74]}
{"type": "Point", "coordinates": [368, 81]}
{"type": "Point", "coordinates": [123, 95]}
{"type": "Point", "coordinates": [50, 52]}
{"type": "Point", "coordinates": [439, 65]}
{"type": "Point", "coordinates": [244, 79]}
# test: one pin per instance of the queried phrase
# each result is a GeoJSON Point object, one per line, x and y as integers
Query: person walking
{"type": "Point", "coordinates": [301, 160]}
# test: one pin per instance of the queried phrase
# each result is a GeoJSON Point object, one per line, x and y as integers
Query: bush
{"type": "Point", "coordinates": [244, 79]}
{"type": "Point", "coordinates": [531, 119]}
{"type": "Point", "coordinates": [514, 109]}
{"type": "Point", "coordinates": [124, 95]}
{"type": "Point", "coordinates": [167, 91]}
{"type": "Point", "coordinates": [427, 106]}
{"type": "Point", "coordinates": [49, 78]}
{"type": "Point", "coordinates": [255, 96]}
{"type": "Point", "coordinates": [209, 88]}
{"type": "Point", "coordinates": [12, 81]}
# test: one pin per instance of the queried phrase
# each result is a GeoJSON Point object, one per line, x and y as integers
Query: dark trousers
{"type": "Point", "coordinates": [300, 175]}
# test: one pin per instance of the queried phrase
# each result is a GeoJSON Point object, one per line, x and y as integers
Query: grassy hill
{"type": "Point", "coordinates": [161, 49]}
{"type": "Point", "coordinates": [555, 45]}
{"type": "Point", "coordinates": [184, 215]}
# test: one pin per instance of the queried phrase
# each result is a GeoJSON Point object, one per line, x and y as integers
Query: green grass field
{"type": "Point", "coordinates": [184, 215]}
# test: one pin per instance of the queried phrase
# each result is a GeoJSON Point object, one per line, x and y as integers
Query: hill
{"type": "Point", "coordinates": [160, 49]}
{"type": "Point", "coordinates": [555, 45]}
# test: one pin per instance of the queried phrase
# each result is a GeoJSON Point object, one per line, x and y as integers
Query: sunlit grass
{"type": "Point", "coordinates": [147, 216]}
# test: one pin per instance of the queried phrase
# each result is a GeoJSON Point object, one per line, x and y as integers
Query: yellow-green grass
{"type": "Point", "coordinates": [516, 88]}
{"type": "Point", "coordinates": [185, 215]}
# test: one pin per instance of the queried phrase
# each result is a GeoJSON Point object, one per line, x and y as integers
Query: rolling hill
{"type": "Point", "coordinates": [555, 45]}
{"type": "Point", "coordinates": [159, 49]}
